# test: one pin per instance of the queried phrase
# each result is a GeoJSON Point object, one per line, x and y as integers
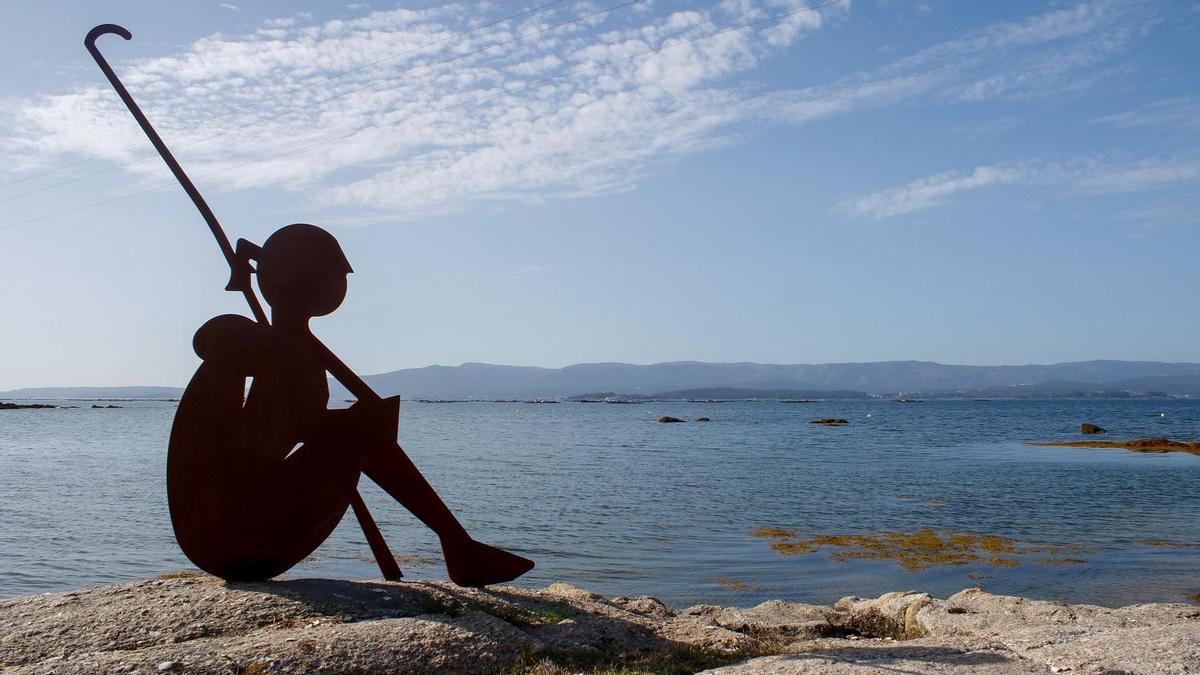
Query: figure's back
{"type": "Point", "coordinates": [245, 504]}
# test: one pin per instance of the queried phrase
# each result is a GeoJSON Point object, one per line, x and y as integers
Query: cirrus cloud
{"type": "Point", "coordinates": [399, 113]}
{"type": "Point", "coordinates": [1079, 175]}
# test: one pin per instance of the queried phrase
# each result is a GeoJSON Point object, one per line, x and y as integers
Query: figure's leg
{"type": "Point", "coordinates": [468, 562]}
{"type": "Point", "coordinates": [393, 471]}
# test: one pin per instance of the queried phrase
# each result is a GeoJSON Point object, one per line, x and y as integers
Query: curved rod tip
{"type": "Point", "coordinates": [105, 29]}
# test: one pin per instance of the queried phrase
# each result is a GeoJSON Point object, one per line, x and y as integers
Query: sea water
{"type": "Point", "coordinates": [605, 497]}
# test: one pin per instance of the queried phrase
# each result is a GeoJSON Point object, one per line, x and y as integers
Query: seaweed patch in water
{"type": "Point", "coordinates": [739, 585]}
{"type": "Point", "coordinates": [917, 551]}
{"type": "Point", "coordinates": [1154, 445]}
{"type": "Point", "coordinates": [1056, 550]}
{"type": "Point", "coordinates": [793, 547]}
{"type": "Point", "coordinates": [1161, 543]}
{"type": "Point", "coordinates": [772, 533]}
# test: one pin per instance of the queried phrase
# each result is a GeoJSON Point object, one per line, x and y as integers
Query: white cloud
{"type": "Point", "coordinates": [929, 192]}
{"type": "Point", "coordinates": [1050, 54]}
{"type": "Point", "coordinates": [990, 127]}
{"type": "Point", "coordinates": [1137, 176]}
{"type": "Point", "coordinates": [360, 116]}
{"type": "Point", "coordinates": [1080, 175]}
{"type": "Point", "coordinates": [1181, 113]}
{"type": "Point", "coordinates": [1162, 215]}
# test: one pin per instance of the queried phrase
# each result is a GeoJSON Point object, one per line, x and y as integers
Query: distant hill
{"type": "Point", "coordinates": [1156, 387]}
{"type": "Point", "coordinates": [486, 381]}
{"type": "Point", "coordinates": [91, 392]}
{"type": "Point", "coordinates": [724, 394]}
{"type": "Point", "coordinates": [697, 380]}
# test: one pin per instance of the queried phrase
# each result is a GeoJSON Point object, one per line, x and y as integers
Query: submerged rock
{"type": "Point", "coordinates": [667, 419]}
{"type": "Point", "coordinates": [197, 624]}
{"type": "Point", "coordinates": [25, 406]}
{"type": "Point", "coordinates": [703, 419]}
{"type": "Point", "coordinates": [829, 420]}
{"type": "Point", "coordinates": [1089, 428]}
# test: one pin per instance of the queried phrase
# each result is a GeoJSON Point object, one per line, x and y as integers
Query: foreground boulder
{"type": "Point", "coordinates": [198, 624]}
{"type": "Point", "coordinates": [977, 632]}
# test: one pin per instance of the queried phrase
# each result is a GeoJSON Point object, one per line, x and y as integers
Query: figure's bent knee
{"type": "Point", "coordinates": [377, 422]}
{"type": "Point", "coordinates": [230, 338]}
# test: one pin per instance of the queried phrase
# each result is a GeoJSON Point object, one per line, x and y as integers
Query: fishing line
{"type": "Point", "coordinates": [569, 73]}
{"type": "Point", "coordinates": [285, 113]}
{"type": "Point", "coordinates": [258, 102]}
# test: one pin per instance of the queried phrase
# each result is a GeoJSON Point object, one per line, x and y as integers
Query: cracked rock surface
{"type": "Point", "coordinates": [197, 624]}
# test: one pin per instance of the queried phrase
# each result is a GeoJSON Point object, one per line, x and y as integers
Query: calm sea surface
{"type": "Point", "coordinates": [604, 497]}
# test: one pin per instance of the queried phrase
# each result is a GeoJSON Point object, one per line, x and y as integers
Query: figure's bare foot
{"type": "Point", "coordinates": [471, 563]}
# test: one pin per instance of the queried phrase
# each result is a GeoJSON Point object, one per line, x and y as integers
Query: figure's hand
{"type": "Point", "coordinates": [240, 267]}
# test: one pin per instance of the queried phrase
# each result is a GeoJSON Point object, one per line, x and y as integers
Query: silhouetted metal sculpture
{"type": "Point", "coordinates": [256, 481]}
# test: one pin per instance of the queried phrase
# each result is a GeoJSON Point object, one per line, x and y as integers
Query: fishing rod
{"type": "Point", "coordinates": [239, 280]}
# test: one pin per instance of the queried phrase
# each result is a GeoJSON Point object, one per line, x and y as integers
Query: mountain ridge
{"type": "Point", "coordinates": [63, 393]}
{"type": "Point", "coordinates": [484, 381]}
{"type": "Point", "coordinates": [477, 380]}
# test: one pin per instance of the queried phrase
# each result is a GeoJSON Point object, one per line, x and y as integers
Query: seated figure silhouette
{"type": "Point", "coordinates": [256, 481]}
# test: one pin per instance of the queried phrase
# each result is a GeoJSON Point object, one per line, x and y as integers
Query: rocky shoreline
{"type": "Point", "coordinates": [190, 623]}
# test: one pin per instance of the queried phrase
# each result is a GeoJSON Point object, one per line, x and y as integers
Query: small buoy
{"type": "Point", "coordinates": [868, 415]}
{"type": "Point", "coordinates": [1162, 414]}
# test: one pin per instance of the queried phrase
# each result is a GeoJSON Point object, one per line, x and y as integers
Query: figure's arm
{"type": "Point", "coordinates": [232, 341]}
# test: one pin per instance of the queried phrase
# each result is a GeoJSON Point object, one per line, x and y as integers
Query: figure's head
{"type": "Point", "coordinates": [302, 270]}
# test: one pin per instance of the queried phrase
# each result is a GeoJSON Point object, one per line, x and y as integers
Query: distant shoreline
{"type": "Point", "coordinates": [97, 400]}
{"type": "Point", "coordinates": [877, 399]}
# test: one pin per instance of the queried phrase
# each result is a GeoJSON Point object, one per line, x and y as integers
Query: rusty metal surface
{"type": "Point", "coordinates": [258, 478]}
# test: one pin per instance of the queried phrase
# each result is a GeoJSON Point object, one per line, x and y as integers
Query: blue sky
{"type": "Point", "coordinates": [739, 180]}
